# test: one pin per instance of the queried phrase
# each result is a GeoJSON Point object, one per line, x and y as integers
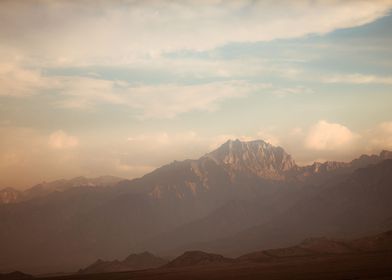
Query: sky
{"type": "Point", "coordinates": [90, 88]}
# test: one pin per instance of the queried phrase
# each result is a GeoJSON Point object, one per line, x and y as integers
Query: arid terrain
{"type": "Point", "coordinates": [196, 139]}
{"type": "Point", "coordinates": [317, 258]}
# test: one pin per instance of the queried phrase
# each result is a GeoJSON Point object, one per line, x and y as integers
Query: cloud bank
{"type": "Point", "coordinates": [76, 32]}
{"type": "Point", "coordinates": [329, 136]}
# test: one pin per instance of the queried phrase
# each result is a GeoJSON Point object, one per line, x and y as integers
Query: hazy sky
{"type": "Point", "coordinates": [121, 87]}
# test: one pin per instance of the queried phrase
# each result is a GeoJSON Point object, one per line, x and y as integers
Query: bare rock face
{"type": "Point", "coordinates": [235, 170]}
{"type": "Point", "coordinates": [254, 157]}
{"type": "Point", "coordinates": [195, 258]}
{"type": "Point", "coordinates": [335, 167]}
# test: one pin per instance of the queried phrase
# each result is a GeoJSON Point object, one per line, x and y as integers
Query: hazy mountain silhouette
{"type": "Point", "coordinates": [196, 258]}
{"type": "Point", "coordinates": [143, 260]}
{"type": "Point", "coordinates": [313, 258]}
{"type": "Point", "coordinates": [15, 275]}
{"type": "Point", "coordinates": [10, 195]}
{"type": "Point", "coordinates": [238, 198]}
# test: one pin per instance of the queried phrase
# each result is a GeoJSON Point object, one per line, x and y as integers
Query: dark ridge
{"type": "Point", "coordinates": [16, 275]}
{"type": "Point", "coordinates": [196, 258]}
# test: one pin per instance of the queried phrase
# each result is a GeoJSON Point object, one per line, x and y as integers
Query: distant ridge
{"type": "Point", "coordinates": [197, 258]}
{"type": "Point", "coordinates": [10, 195]}
{"type": "Point", "coordinates": [16, 275]}
{"type": "Point", "coordinates": [322, 246]}
{"type": "Point", "coordinates": [140, 261]}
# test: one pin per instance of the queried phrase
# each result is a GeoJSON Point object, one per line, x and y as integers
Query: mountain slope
{"type": "Point", "coordinates": [359, 205]}
{"type": "Point", "coordinates": [223, 193]}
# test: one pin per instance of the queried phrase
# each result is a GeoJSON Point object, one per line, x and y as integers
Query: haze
{"type": "Point", "coordinates": [123, 87]}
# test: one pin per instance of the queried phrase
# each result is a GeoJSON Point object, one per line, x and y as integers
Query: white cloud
{"type": "Point", "coordinates": [26, 151]}
{"type": "Point", "coordinates": [359, 79]}
{"type": "Point", "coordinates": [170, 100]}
{"type": "Point", "coordinates": [282, 92]}
{"type": "Point", "coordinates": [329, 136]}
{"type": "Point", "coordinates": [380, 137]}
{"type": "Point", "coordinates": [269, 135]}
{"type": "Point", "coordinates": [76, 32]}
{"type": "Point", "coordinates": [20, 81]}
{"type": "Point", "coordinates": [152, 101]}
{"type": "Point", "coordinates": [61, 140]}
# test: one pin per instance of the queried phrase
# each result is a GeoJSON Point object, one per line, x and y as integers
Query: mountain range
{"type": "Point", "coordinates": [11, 195]}
{"type": "Point", "coordinates": [241, 197]}
{"type": "Point", "coordinates": [139, 261]}
{"type": "Point", "coordinates": [313, 258]}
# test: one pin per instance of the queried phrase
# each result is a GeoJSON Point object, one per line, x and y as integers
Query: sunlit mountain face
{"type": "Point", "coordinates": [142, 135]}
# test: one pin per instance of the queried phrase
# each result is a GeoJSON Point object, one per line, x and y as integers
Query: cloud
{"type": "Point", "coordinates": [61, 140]}
{"type": "Point", "coordinates": [18, 81]}
{"type": "Point", "coordinates": [152, 101]}
{"type": "Point", "coordinates": [359, 79]}
{"type": "Point", "coordinates": [269, 135]}
{"type": "Point", "coordinates": [380, 137]}
{"type": "Point", "coordinates": [24, 150]}
{"type": "Point", "coordinates": [119, 32]}
{"type": "Point", "coordinates": [329, 136]}
{"type": "Point", "coordinates": [282, 92]}
{"type": "Point", "coordinates": [165, 100]}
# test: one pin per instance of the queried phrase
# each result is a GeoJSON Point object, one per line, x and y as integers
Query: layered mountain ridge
{"type": "Point", "coordinates": [236, 158]}
{"type": "Point", "coordinates": [239, 197]}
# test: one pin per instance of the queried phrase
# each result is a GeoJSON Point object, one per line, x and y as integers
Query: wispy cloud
{"type": "Point", "coordinates": [118, 32]}
{"type": "Point", "coordinates": [153, 101]}
{"type": "Point", "coordinates": [18, 81]}
{"type": "Point", "coordinates": [149, 101]}
{"type": "Point", "coordinates": [358, 79]}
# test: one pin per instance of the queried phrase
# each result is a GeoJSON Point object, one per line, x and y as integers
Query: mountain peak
{"type": "Point", "coordinates": [256, 157]}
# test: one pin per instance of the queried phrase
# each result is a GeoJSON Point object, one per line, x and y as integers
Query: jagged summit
{"type": "Point", "coordinates": [257, 157]}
